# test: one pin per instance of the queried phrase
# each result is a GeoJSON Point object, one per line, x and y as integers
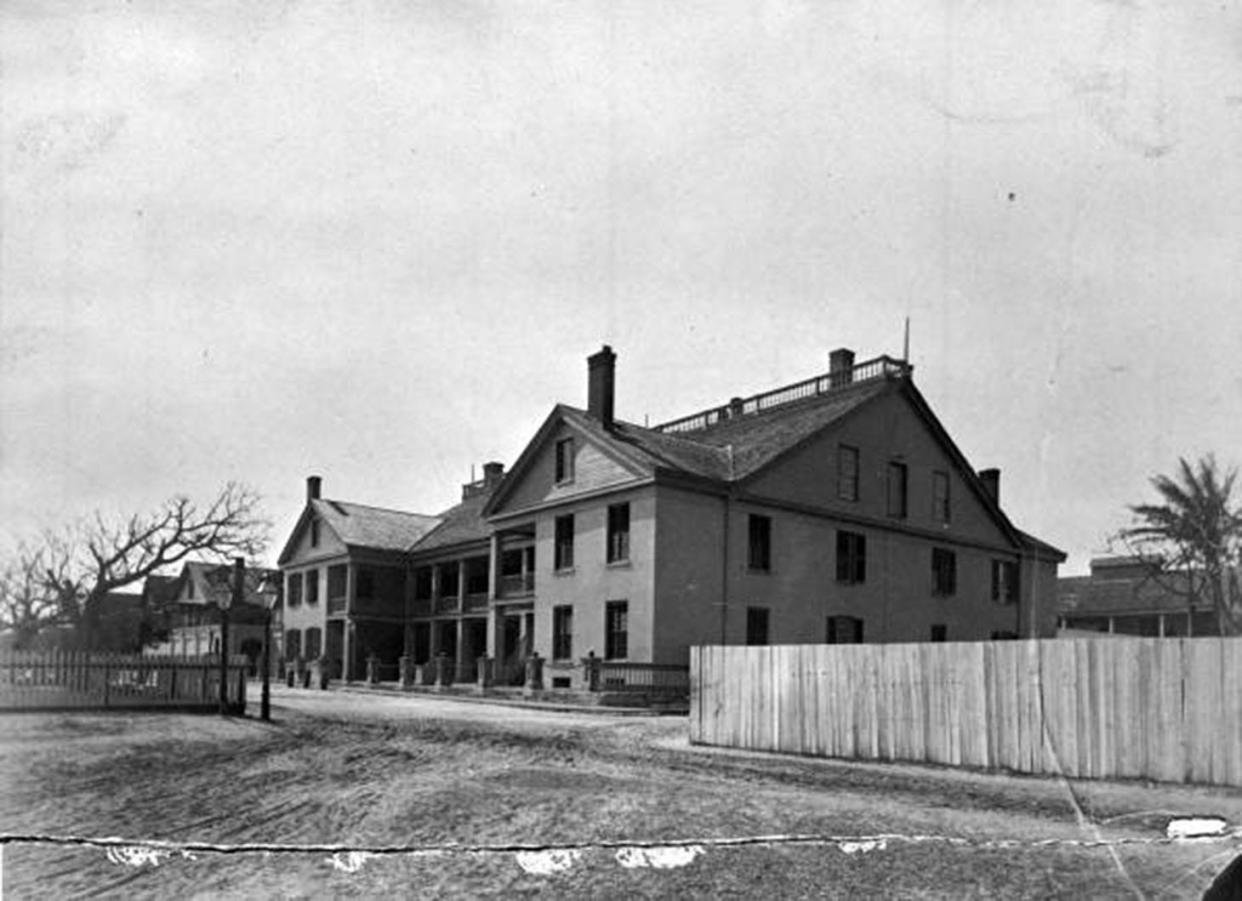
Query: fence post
{"type": "Point", "coordinates": [534, 674]}
{"type": "Point", "coordinates": [591, 664]}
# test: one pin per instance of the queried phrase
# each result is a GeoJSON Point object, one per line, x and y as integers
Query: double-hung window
{"type": "Point", "coordinates": [562, 632]}
{"type": "Point", "coordinates": [759, 539]}
{"type": "Point", "coordinates": [1004, 581]}
{"type": "Point", "coordinates": [618, 533]}
{"type": "Point", "coordinates": [616, 630]}
{"type": "Point", "coordinates": [563, 550]}
{"type": "Point", "coordinates": [944, 571]}
{"type": "Point", "coordinates": [851, 557]}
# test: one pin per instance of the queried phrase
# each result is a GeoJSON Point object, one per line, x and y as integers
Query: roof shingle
{"type": "Point", "coordinates": [373, 527]}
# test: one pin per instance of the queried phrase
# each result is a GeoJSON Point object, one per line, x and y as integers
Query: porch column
{"type": "Point", "coordinates": [351, 582]}
{"type": "Point", "coordinates": [347, 651]}
{"type": "Point", "coordinates": [493, 568]}
{"type": "Point", "coordinates": [1160, 625]}
{"type": "Point", "coordinates": [433, 643]}
{"type": "Point", "coordinates": [461, 588]}
{"type": "Point", "coordinates": [493, 619]}
{"type": "Point", "coordinates": [461, 642]}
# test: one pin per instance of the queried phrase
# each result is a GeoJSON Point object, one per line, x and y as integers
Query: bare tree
{"type": "Point", "coordinates": [26, 605]}
{"type": "Point", "coordinates": [1194, 536]}
{"type": "Point", "coordinates": [79, 566]}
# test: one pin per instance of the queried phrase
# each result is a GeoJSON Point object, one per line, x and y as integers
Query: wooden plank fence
{"type": "Point", "coordinates": [54, 681]}
{"type": "Point", "coordinates": [1168, 709]}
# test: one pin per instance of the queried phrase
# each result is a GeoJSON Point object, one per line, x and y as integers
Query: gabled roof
{"type": "Point", "coordinates": [1126, 584]}
{"type": "Point", "coordinates": [363, 526]}
{"type": "Point", "coordinates": [1095, 596]}
{"type": "Point", "coordinates": [758, 439]}
{"type": "Point", "coordinates": [726, 452]}
{"type": "Point", "coordinates": [458, 525]}
{"type": "Point", "coordinates": [358, 525]}
{"type": "Point", "coordinates": [729, 448]}
{"type": "Point", "coordinates": [214, 583]}
{"type": "Point", "coordinates": [158, 591]}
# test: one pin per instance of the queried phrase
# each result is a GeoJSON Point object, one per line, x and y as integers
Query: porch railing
{"type": "Point", "coordinates": [517, 585]}
{"type": "Point", "coordinates": [338, 604]}
{"type": "Point", "coordinates": [645, 678]}
{"type": "Point", "coordinates": [447, 603]}
{"type": "Point", "coordinates": [477, 601]}
{"type": "Point", "coordinates": [880, 367]}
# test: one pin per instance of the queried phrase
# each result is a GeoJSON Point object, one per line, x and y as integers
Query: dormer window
{"type": "Point", "coordinates": [564, 461]}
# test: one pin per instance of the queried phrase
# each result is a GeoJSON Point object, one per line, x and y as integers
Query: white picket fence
{"type": "Point", "coordinates": [66, 680]}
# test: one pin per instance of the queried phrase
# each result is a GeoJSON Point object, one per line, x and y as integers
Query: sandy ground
{"type": "Point", "coordinates": [412, 772]}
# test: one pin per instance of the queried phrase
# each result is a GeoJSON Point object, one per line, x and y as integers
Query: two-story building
{"type": "Point", "coordinates": [345, 569]}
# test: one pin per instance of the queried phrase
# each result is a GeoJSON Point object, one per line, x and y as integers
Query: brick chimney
{"type": "Point", "coordinates": [492, 473]}
{"type": "Point", "coordinates": [991, 483]}
{"type": "Point", "coordinates": [313, 484]}
{"type": "Point", "coordinates": [601, 368]}
{"type": "Point", "coordinates": [841, 367]}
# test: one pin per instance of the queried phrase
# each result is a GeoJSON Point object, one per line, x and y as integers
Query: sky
{"type": "Point", "coordinates": [376, 241]}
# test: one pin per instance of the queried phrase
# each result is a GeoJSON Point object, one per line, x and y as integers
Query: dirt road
{"type": "Point", "coordinates": [413, 773]}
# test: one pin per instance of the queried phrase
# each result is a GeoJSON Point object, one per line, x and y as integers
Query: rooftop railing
{"type": "Point", "coordinates": [879, 368]}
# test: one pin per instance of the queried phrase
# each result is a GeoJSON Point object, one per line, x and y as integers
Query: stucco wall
{"type": "Point", "coordinates": [886, 430]}
{"type": "Point", "coordinates": [593, 581]}
{"type": "Point", "coordinates": [689, 577]}
{"type": "Point", "coordinates": [895, 601]}
{"type": "Point", "coordinates": [305, 615]}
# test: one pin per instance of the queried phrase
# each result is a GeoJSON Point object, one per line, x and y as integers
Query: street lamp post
{"type": "Point", "coordinates": [234, 597]}
{"type": "Point", "coordinates": [270, 594]}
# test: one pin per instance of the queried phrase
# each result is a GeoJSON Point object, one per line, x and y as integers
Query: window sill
{"type": "Point", "coordinates": [564, 571]}
{"type": "Point", "coordinates": [759, 571]}
{"type": "Point", "coordinates": [618, 564]}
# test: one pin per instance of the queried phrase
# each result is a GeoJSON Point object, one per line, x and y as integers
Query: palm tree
{"type": "Point", "coordinates": [1196, 532]}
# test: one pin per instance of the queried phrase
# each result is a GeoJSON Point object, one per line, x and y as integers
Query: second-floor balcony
{"type": "Point", "coordinates": [517, 585]}
{"type": "Point", "coordinates": [337, 604]}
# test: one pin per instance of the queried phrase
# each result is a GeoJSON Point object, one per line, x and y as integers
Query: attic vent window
{"type": "Point", "coordinates": [314, 533]}
{"type": "Point", "coordinates": [940, 496]}
{"type": "Point", "coordinates": [564, 461]}
{"type": "Point", "coordinates": [847, 473]}
{"type": "Point", "coordinates": [897, 481]}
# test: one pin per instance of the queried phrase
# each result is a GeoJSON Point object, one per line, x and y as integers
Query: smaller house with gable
{"type": "Point", "coordinates": [194, 612]}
